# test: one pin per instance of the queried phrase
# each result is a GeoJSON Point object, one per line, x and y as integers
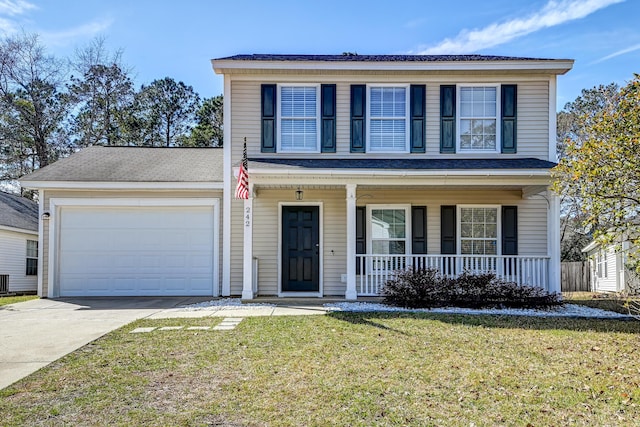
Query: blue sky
{"type": "Point", "coordinates": [178, 38]}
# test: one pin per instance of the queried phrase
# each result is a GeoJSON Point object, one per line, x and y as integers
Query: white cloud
{"type": "Point", "coordinates": [9, 10]}
{"type": "Point", "coordinates": [552, 14]}
{"type": "Point", "coordinates": [13, 8]}
{"type": "Point", "coordinates": [618, 53]}
{"type": "Point", "coordinates": [70, 36]}
{"type": "Point", "coordinates": [7, 26]}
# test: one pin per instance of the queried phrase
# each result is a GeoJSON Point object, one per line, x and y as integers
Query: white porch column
{"type": "Point", "coordinates": [227, 192]}
{"type": "Point", "coordinates": [351, 293]}
{"type": "Point", "coordinates": [553, 242]}
{"type": "Point", "coordinates": [247, 253]}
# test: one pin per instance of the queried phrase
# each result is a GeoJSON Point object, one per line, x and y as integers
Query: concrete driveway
{"type": "Point", "coordinates": [37, 332]}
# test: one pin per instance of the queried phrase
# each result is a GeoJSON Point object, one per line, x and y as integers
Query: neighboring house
{"type": "Point", "coordinates": [358, 166]}
{"type": "Point", "coordinates": [609, 269]}
{"type": "Point", "coordinates": [18, 244]}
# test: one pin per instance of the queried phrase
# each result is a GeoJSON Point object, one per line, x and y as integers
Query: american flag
{"type": "Point", "coordinates": [242, 190]}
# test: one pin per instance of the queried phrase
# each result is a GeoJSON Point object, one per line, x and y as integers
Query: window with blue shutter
{"type": "Point", "coordinates": [509, 230]}
{"type": "Point", "coordinates": [509, 99]}
{"type": "Point", "coordinates": [447, 119]}
{"type": "Point", "coordinates": [358, 112]}
{"type": "Point", "coordinates": [328, 123]}
{"type": "Point", "coordinates": [418, 118]}
{"type": "Point", "coordinates": [448, 226]}
{"type": "Point", "coordinates": [268, 104]}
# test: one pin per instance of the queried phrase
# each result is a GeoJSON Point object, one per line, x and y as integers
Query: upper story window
{"type": "Point", "coordinates": [388, 126]}
{"type": "Point", "coordinates": [478, 118]}
{"type": "Point", "coordinates": [298, 118]}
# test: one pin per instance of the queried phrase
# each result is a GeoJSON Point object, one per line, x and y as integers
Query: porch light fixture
{"type": "Point", "coordinates": [46, 215]}
{"type": "Point", "coordinates": [299, 194]}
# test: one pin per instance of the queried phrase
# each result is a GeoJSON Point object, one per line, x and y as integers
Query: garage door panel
{"type": "Point", "coordinates": [130, 251]}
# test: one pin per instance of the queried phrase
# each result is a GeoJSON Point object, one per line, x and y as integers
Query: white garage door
{"type": "Point", "coordinates": [129, 251]}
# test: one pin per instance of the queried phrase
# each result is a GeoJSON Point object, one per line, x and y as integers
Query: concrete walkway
{"type": "Point", "coordinates": [37, 332]}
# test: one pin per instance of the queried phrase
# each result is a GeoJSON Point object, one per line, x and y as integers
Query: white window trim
{"type": "Point", "coordinates": [279, 117]}
{"type": "Point", "coordinates": [498, 227]}
{"type": "Point", "coordinates": [28, 257]}
{"type": "Point", "coordinates": [407, 117]}
{"type": "Point", "coordinates": [407, 209]}
{"type": "Point", "coordinates": [498, 116]}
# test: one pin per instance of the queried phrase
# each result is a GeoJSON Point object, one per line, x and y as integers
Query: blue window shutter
{"type": "Point", "coordinates": [418, 230]}
{"type": "Point", "coordinates": [447, 119]}
{"type": "Point", "coordinates": [361, 233]}
{"type": "Point", "coordinates": [358, 113]}
{"type": "Point", "coordinates": [417, 105]}
{"type": "Point", "coordinates": [328, 110]}
{"type": "Point", "coordinates": [268, 101]}
{"type": "Point", "coordinates": [509, 99]}
{"type": "Point", "coordinates": [509, 230]}
{"type": "Point", "coordinates": [448, 230]}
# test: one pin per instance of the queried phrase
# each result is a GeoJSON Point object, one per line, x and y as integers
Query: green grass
{"type": "Point", "coordinates": [611, 302]}
{"type": "Point", "coordinates": [344, 369]}
{"type": "Point", "coordinates": [15, 299]}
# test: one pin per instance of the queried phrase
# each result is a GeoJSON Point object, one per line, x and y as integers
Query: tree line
{"type": "Point", "coordinates": [598, 177]}
{"type": "Point", "coordinates": [51, 107]}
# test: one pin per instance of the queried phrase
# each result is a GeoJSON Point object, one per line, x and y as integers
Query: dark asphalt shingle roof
{"type": "Point", "coordinates": [135, 164]}
{"type": "Point", "coordinates": [401, 164]}
{"type": "Point", "coordinates": [18, 212]}
{"type": "Point", "coordinates": [376, 58]}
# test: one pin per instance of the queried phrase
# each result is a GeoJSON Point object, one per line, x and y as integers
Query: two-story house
{"type": "Point", "coordinates": [358, 165]}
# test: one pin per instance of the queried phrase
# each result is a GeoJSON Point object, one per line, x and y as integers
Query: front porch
{"type": "Point", "coordinates": [342, 235]}
{"type": "Point", "coordinates": [521, 269]}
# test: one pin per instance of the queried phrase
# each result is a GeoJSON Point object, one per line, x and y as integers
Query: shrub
{"type": "Point", "coordinates": [428, 288]}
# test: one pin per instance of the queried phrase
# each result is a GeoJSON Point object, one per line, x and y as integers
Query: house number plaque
{"type": "Point", "coordinates": [247, 216]}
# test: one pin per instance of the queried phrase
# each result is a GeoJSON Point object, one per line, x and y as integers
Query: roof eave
{"type": "Point", "coordinates": [111, 185]}
{"type": "Point", "coordinates": [551, 66]}
{"type": "Point", "coordinates": [18, 230]}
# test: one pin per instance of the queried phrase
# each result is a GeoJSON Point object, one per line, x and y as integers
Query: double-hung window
{"type": "Point", "coordinates": [478, 118]}
{"type": "Point", "coordinates": [388, 235]}
{"type": "Point", "coordinates": [601, 259]}
{"type": "Point", "coordinates": [32, 258]}
{"type": "Point", "coordinates": [479, 230]}
{"type": "Point", "coordinates": [388, 124]}
{"type": "Point", "coordinates": [298, 118]}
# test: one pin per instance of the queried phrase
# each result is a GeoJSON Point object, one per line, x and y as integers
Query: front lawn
{"type": "Point", "coordinates": [604, 301]}
{"type": "Point", "coordinates": [15, 299]}
{"type": "Point", "coordinates": [356, 369]}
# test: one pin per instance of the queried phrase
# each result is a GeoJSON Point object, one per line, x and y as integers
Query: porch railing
{"type": "Point", "coordinates": [373, 271]}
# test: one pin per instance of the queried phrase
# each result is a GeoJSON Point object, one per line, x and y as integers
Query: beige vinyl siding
{"type": "Point", "coordinates": [137, 194]}
{"type": "Point", "coordinates": [265, 237]}
{"type": "Point", "coordinates": [532, 120]}
{"type": "Point", "coordinates": [532, 226]}
{"type": "Point", "coordinates": [13, 260]}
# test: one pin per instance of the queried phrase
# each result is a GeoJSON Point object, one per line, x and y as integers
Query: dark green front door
{"type": "Point", "coordinates": [300, 249]}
